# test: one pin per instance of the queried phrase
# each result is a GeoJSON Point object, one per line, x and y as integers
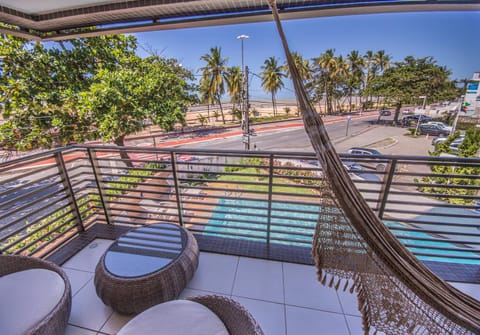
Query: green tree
{"type": "Point", "coordinates": [369, 59]}
{"type": "Point", "coordinates": [272, 79]}
{"type": "Point", "coordinates": [355, 75]}
{"type": "Point", "coordinates": [38, 96]}
{"type": "Point", "coordinates": [303, 67]}
{"type": "Point", "coordinates": [340, 81]}
{"type": "Point", "coordinates": [214, 76]}
{"type": "Point", "coordinates": [120, 99]}
{"type": "Point", "coordinates": [458, 175]}
{"type": "Point", "coordinates": [234, 86]}
{"type": "Point", "coordinates": [205, 97]}
{"type": "Point", "coordinates": [49, 95]}
{"type": "Point", "coordinates": [405, 81]}
{"type": "Point", "coordinates": [330, 73]}
{"type": "Point", "coordinates": [382, 62]}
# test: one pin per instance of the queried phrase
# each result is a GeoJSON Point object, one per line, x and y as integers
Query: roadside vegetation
{"type": "Point", "coordinates": [130, 180]}
{"type": "Point", "coordinates": [447, 175]}
{"type": "Point", "coordinates": [59, 222]}
{"type": "Point", "coordinates": [85, 89]}
{"type": "Point", "coordinates": [49, 228]}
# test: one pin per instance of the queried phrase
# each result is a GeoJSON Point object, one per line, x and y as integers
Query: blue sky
{"type": "Point", "coordinates": [450, 37]}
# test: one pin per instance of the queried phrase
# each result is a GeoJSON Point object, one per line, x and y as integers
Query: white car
{"type": "Point", "coordinates": [441, 125]}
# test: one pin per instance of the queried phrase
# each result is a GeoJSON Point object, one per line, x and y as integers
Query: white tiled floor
{"type": "Point", "coordinates": [285, 298]}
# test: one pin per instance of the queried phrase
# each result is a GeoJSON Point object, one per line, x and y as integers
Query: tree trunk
{"type": "Point", "coordinates": [221, 111]}
{"type": "Point", "coordinates": [350, 102]}
{"type": "Point", "coordinates": [273, 105]}
{"type": "Point", "coordinates": [397, 113]}
{"type": "Point", "coordinates": [233, 111]}
{"type": "Point", "coordinates": [120, 141]}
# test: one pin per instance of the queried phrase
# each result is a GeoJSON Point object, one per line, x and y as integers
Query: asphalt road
{"type": "Point", "coordinates": [285, 139]}
{"type": "Point", "coordinates": [362, 132]}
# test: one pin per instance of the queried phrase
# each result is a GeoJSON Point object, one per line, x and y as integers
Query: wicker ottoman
{"type": "Point", "coordinates": [146, 266]}
{"type": "Point", "coordinates": [53, 322]}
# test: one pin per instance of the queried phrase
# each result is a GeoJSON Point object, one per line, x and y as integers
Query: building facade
{"type": "Point", "coordinates": [472, 96]}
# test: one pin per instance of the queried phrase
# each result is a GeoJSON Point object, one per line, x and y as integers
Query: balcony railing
{"type": "Point", "coordinates": [234, 201]}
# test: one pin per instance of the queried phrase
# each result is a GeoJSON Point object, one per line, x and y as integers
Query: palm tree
{"type": "Point", "coordinates": [303, 67]}
{"type": "Point", "coordinates": [382, 62]}
{"type": "Point", "coordinates": [340, 78]}
{"type": "Point", "coordinates": [234, 86]}
{"type": "Point", "coordinates": [369, 65]}
{"type": "Point", "coordinates": [326, 65]}
{"type": "Point", "coordinates": [464, 82]}
{"type": "Point", "coordinates": [272, 79]}
{"type": "Point", "coordinates": [214, 76]}
{"type": "Point", "coordinates": [355, 74]}
{"type": "Point", "coordinates": [205, 97]}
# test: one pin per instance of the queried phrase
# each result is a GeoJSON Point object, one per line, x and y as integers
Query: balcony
{"type": "Point", "coordinates": [253, 214]}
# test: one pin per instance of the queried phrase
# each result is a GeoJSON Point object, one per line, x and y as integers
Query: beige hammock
{"type": "Point", "coordinates": [354, 250]}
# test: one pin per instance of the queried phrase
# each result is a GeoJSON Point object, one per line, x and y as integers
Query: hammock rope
{"type": "Point", "coordinates": [353, 249]}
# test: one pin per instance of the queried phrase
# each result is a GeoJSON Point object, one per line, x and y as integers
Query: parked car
{"type": "Point", "coordinates": [441, 125]}
{"type": "Point", "coordinates": [477, 210]}
{"type": "Point", "coordinates": [385, 112]}
{"type": "Point", "coordinates": [414, 119]}
{"type": "Point", "coordinates": [454, 145]}
{"type": "Point", "coordinates": [374, 164]}
{"type": "Point", "coordinates": [407, 111]}
{"type": "Point", "coordinates": [444, 138]}
{"type": "Point", "coordinates": [356, 170]}
{"type": "Point", "coordinates": [432, 129]}
{"type": "Point", "coordinates": [438, 139]}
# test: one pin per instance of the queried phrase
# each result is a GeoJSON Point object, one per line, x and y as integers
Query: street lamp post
{"type": "Point", "coordinates": [424, 101]}
{"type": "Point", "coordinates": [423, 112]}
{"type": "Point", "coordinates": [460, 109]}
{"type": "Point", "coordinates": [245, 123]}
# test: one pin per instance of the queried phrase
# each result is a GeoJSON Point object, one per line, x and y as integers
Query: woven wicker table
{"type": "Point", "coordinates": [146, 266]}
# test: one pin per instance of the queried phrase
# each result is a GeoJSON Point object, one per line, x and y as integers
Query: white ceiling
{"type": "Point", "coordinates": [46, 6]}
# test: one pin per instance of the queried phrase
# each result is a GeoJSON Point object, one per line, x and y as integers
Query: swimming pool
{"type": "Point", "coordinates": [249, 218]}
{"type": "Point", "coordinates": [422, 246]}
{"type": "Point", "coordinates": [294, 224]}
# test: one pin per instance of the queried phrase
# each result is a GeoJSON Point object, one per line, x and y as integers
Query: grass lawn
{"type": "Point", "coordinates": [294, 189]}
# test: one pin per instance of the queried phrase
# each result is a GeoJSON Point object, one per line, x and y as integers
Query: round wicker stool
{"type": "Point", "coordinates": [55, 321]}
{"type": "Point", "coordinates": [146, 266]}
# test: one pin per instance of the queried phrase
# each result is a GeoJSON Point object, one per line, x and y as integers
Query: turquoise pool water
{"type": "Point", "coordinates": [298, 230]}
{"type": "Point", "coordinates": [420, 246]}
{"type": "Point", "coordinates": [296, 223]}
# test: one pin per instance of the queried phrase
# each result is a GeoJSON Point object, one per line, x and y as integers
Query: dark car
{"type": "Point", "coordinates": [375, 164]}
{"type": "Point", "coordinates": [414, 119]}
{"type": "Point", "coordinates": [432, 129]}
{"type": "Point", "coordinates": [385, 113]}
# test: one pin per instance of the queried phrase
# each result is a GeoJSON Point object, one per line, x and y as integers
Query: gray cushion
{"type": "Point", "coordinates": [27, 297]}
{"type": "Point", "coordinates": [177, 317]}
